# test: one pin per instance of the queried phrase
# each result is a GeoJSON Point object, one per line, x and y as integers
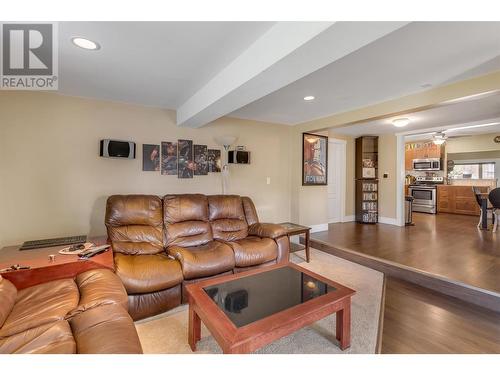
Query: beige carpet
{"type": "Point", "coordinates": [167, 333]}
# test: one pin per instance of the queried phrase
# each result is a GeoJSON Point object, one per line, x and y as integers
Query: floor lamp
{"type": "Point", "coordinates": [226, 141]}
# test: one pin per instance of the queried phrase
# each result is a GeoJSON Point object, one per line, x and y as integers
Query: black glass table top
{"type": "Point", "coordinates": [251, 298]}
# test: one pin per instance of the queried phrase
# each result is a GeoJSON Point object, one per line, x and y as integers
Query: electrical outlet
{"type": "Point", "coordinates": [268, 180]}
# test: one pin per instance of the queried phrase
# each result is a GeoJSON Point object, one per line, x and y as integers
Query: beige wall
{"type": "Point", "coordinates": [387, 144]}
{"type": "Point", "coordinates": [308, 205]}
{"type": "Point", "coordinates": [313, 209]}
{"type": "Point", "coordinates": [476, 143]}
{"type": "Point", "coordinates": [350, 171]}
{"type": "Point", "coordinates": [53, 182]}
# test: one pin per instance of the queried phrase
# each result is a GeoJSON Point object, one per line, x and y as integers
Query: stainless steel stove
{"type": "Point", "coordinates": [424, 193]}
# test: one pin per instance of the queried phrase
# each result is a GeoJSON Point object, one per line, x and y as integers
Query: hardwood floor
{"type": "Point", "coordinates": [445, 244]}
{"type": "Point", "coordinates": [444, 252]}
{"type": "Point", "coordinates": [418, 320]}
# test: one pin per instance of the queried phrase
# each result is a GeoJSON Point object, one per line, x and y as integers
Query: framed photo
{"type": "Point", "coordinates": [314, 159]}
{"type": "Point", "coordinates": [214, 161]}
{"type": "Point", "coordinates": [150, 157]}
{"type": "Point", "coordinates": [185, 159]}
{"type": "Point", "coordinates": [200, 160]}
{"type": "Point", "coordinates": [168, 158]}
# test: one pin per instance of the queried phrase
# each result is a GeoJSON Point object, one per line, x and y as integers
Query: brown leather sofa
{"type": "Point", "coordinates": [87, 314]}
{"type": "Point", "coordinates": [161, 245]}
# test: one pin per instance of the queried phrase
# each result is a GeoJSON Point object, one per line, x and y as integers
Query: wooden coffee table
{"type": "Point", "coordinates": [249, 310]}
{"type": "Point", "coordinates": [43, 270]}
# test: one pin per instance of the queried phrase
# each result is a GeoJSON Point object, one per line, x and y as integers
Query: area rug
{"type": "Point", "coordinates": [167, 333]}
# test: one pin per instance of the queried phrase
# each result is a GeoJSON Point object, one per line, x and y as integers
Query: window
{"type": "Point", "coordinates": [473, 170]}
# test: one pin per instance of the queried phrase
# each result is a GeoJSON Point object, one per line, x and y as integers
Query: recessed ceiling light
{"type": "Point", "coordinates": [308, 98]}
{"type": "Point", "coordinates": [401, 122]}
{"type": "Point", "coordinates": [85, 43]}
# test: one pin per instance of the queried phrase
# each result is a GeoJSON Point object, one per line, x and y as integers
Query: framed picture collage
{"type": "Point", "coordinates": [181, 158]}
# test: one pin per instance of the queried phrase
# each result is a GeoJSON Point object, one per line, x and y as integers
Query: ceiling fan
{"type": "Point", "coordinates": [440, 137]}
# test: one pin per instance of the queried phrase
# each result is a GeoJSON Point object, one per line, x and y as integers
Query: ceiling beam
{"type": "Point", "coordinates": [287, 52]}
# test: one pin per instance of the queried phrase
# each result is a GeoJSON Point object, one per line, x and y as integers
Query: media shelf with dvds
{"type": "Point", "coordinates": [367, 180]}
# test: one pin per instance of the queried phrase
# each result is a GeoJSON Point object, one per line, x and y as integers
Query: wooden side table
{"type": "Point", "coordinates": [297, 230]}
{"type": "Point", "coordinates": [43, 270]}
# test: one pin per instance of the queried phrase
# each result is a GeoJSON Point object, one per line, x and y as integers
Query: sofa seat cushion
{"type": "Point", "coordinates": [252, 251]}
{"type": "Point", "coordinates": [147, 273]}
{"type": "Point", "coordinates": [51, 338]}
{"type": "Point", "coordinates": [206, 260]}
{"type": "Point", "coordinates": [41, 304]}
{"type": "Point", "coordinates": [107, 329]}
{"type": "Point", "coordinates": [100, 287]}
{"type": "Point", "coordinates": [143, 305]}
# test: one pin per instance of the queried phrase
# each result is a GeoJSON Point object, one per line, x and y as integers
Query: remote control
{"type": "Point", "coordinates": [93, 251]}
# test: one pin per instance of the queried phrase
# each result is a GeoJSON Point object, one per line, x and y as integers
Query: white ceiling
{"type": "Point", "coordinates": [151, 63]}
{"type": "Point", "coordinates": [468, 111]}
{"type": "Point", "coordinates": [351, 64]}
{"type": "Point", "coordinates": [395, 65]}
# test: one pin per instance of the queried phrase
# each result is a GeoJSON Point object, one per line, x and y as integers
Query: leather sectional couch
{"type": "Point", "coordinates": [162, 244]}
{"type": "Point", "coordinates": [87, 314]}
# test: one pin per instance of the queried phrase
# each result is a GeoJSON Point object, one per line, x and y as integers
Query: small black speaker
{"type": "Point", "coordinates": [117, 149]}
{"type": "Point", "coordinates": [238, 157]}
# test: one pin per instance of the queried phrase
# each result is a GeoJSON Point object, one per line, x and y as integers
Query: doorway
{"type": "Point", "coordinates": [336, 180]}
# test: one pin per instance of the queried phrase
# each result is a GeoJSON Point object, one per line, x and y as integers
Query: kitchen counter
{"type": "Point", "coordinates": [458, 199]}
{"type": "Point", "coordinates": [491, 183]}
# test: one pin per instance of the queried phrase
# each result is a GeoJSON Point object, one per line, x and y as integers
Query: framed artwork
{"type": "Point", "coordinates": [214, 161]}
{"type": "Point", "coordinates": [185, 159]}
{"type": "Point", "coordinates": [314, 159]}
{"type": "Point", "coordinates": [150, 157]}
{"type": "Point", "coordinates": [168, 158]}
{"type": "Point", "coordinates": [200, 160]}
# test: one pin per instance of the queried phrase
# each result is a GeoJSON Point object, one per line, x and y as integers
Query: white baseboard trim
{"type": "Point", "coordinates": [388, 220]}
{"type": "Point", "coordinates": [319, 228]}
{"type": "Point", "coordinates": [349, 218]}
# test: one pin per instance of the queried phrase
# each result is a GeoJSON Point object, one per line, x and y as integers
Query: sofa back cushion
{"type": "Point", "coordinates": [186, 220]}
{"type": "Point", "coordinates": [227, 217]}
{"type": "Point", "coordinates": [8, 294]}
{"type": "Point", "coordinates": [135, 223]}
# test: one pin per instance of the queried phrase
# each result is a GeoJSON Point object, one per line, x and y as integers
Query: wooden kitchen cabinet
{"type": "Point", "coordinates": [455, 199]}
{"type": "Point", "coordinates": [421, 150]}
{"type": "Point", "coordinates": [409, 156]}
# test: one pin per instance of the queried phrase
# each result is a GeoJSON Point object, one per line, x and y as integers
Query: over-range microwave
{"type": "Point", "coordinates": [433, 164]}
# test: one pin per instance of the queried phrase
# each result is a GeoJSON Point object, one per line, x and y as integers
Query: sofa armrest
{"type": "Point", "coordinates": [266, 230]}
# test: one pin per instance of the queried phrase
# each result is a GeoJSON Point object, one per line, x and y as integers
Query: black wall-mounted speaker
{"type": "Point", "coordinates": [238, 157]}
{"type": "Point", "coordinates": [110, 148]}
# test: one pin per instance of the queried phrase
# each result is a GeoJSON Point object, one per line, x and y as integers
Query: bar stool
{"type": "Point", "coordinates": [494, 198]}
{"type": "Point", "coordinates": [480, 196]}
